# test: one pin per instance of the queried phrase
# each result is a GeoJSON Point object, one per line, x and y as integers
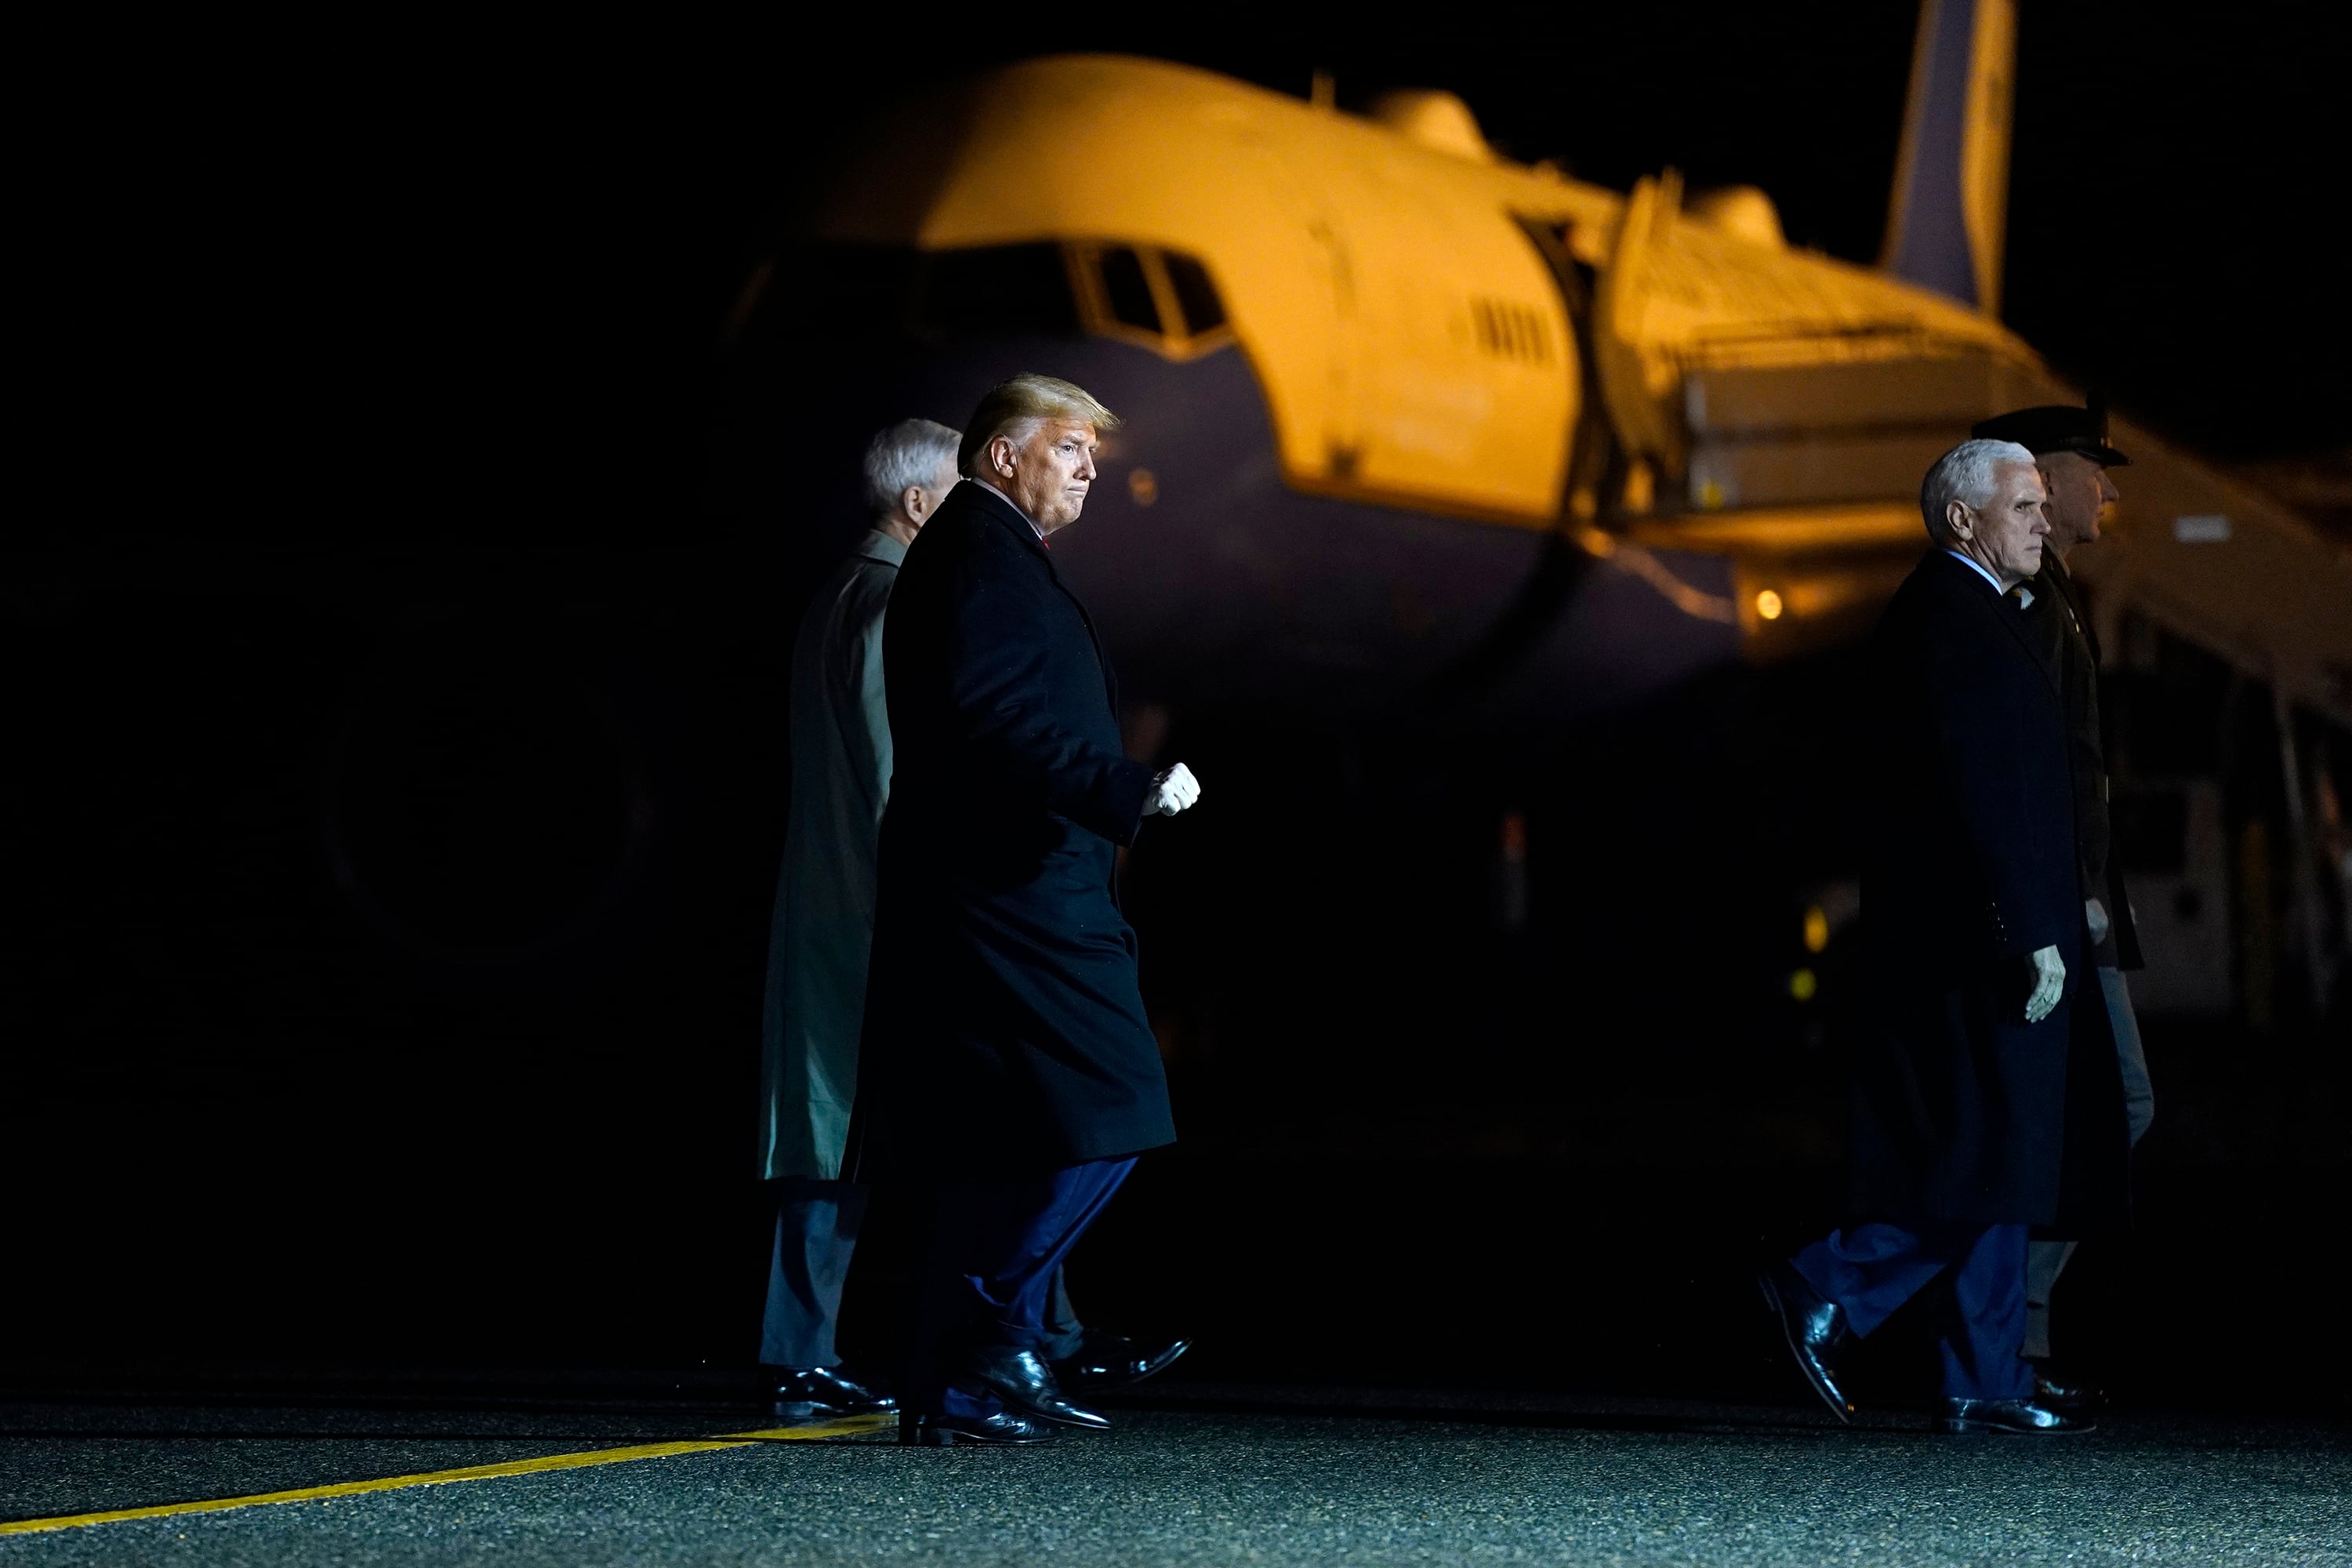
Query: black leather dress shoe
{"type": "Point", "coordinates": [2066, 1398]}
{"type": "Point", "coordinates": [2007, 1415]}
{"type": "Point", "coordinates": [1814, 1329]}
{"type": "Point", "coordinates": [1113, 1361]}
{"type": "Point", "coordinates": [1023, 1381]}
{"type": "Point", "coordinates": [824, 1393]}
{"type": "Point", "coordinates": [1003, 1429]}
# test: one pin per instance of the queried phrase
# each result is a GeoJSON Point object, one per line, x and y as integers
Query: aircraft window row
{"type": "Point", "coordinates": [1510, 331]}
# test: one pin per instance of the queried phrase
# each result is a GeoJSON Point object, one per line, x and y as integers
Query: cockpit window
{"type": "Point", "coordinates": [1127, 292]}
{"type": "Point", "coordinates": [1195, 295]}
{"type": "Point", "coordinates": [1162, 300]}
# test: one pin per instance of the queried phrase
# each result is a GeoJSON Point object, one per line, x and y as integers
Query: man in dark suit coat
{"type": "Point", "coordinates": [1974, 1116]}
{"type": "Point", "coordinates": [1008, 1065]}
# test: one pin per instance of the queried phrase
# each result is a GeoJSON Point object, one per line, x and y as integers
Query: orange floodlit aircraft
{"type": "Point", "coordinates": [1408, 422]}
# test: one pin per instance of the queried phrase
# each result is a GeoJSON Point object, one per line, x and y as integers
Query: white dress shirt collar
{"type": "Point", "coordinates": [1978, 568]}
{"type": "Point", "coordinates": [2024, 594]}
{"type": "Point", "coordinates": [1040, 532]}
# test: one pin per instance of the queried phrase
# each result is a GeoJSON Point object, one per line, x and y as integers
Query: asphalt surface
{"type": "Point", "coordinates": [1621, 1483]}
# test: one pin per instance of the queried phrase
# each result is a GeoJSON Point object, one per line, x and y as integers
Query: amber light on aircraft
{"type": "Point", "coordinates": [1470, 357]}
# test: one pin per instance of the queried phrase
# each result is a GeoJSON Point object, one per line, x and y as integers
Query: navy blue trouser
{"type": "Point", "coordinates": [816, 1233]}
{"type": "Point", "coordinates": [989, 1278]}
{"type": "Point", "coordinates": [1869, 1270]}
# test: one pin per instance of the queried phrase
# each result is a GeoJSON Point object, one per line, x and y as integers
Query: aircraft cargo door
{"type": "Point", "coordinates": [1450, 379]}
{"type": "Point", "coordinates": [1286, 262]}
{"type": "Point", "coordinates": [1466, 380]}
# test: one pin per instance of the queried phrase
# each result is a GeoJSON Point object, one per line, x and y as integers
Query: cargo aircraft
{"type": "Point", "coordinates": [1406, 423]}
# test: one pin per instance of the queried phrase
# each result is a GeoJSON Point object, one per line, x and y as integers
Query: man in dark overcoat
{"type": "Point", "coordinates": [1973, 1115]}
{"type": "Point", "coordinates": [2069, 447]}
{"type": "Point", "coordinates": [1008, 1067]}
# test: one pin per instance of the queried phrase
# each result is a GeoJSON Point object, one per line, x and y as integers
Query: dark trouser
{"type": "Point", "coordinates": [1870, 1270]}
{"type": "Point", "coordinates": [2046, 1260]}
{"type": "Point", "coordinates": [1065, 1335]}
{"type": "Point", "coordinates": [816, 1231]}
{"type": "Point", "coordinates": [990, 1277]}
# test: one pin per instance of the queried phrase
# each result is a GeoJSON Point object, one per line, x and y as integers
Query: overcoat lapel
{"type": "Point", "coordinates": [1010, 516]}
{"type": "Point", "coordinates": [1997, 608]}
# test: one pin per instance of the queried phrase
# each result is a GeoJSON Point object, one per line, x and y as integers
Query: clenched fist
{"type": "Point", "coordinates": [1173, 790]}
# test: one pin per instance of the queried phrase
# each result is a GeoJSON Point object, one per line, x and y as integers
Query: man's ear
{"type": "Point", "coordinates": [1956, 519]}
{"type": "Point", "coordinates": [1001, 461]}
{"type": "Point", "coordinates": [912, 502]}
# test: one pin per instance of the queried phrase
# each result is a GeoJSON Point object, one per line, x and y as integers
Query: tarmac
{"type": "Point", "coordinates": [1200, 1475]}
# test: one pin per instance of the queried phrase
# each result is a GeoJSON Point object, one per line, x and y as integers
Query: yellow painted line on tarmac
{"type": "Point", "coordinates": [470, 1473]}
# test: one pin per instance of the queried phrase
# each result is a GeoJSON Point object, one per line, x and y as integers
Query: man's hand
{"type": "Point", "coordinates": [2048, 975]}
{"type": "Point", "coordinates": [1173, 789]}
{"type": "Point", "coordinates": [2095, 915]}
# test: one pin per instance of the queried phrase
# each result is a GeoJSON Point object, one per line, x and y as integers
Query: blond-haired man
{"type": "Point", "coordinates": [1008, 1065]}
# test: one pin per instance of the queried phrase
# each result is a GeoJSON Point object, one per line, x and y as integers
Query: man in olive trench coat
{"type": "Point", "coordinates": [1986, 1098]}
{"type": "Point", "coordinates": [823, 926]}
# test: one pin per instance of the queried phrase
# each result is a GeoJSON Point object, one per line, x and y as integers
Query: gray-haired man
{"type": "Point", "coordinates": [1968, 1123]}
{"type": "Point", "coordinates": [820, 941]}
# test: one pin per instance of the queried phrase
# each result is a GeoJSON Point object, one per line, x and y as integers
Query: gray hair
{"type": "Point", "coordinates": [911, 453]}
{"type": "Point", "coordinates": [1964, 474]}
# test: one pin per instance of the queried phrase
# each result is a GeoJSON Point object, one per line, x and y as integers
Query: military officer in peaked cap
{"type": "Point", "coordinates": [2070, 446]}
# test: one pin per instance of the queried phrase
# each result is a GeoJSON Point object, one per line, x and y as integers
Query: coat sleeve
{"type": "Point", "coordinates": [857, 697]}
{"type": "Point", "coordinates": [1980, 732]}
{"type": "Point", "coordinates": [1000, 644]}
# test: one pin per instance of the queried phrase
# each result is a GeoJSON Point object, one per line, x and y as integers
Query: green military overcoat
{"type": "Point", "coordinates": [823, 928]}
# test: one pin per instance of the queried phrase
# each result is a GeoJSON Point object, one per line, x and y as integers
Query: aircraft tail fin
{"type": "Point", "coordinates": [1946, 223]}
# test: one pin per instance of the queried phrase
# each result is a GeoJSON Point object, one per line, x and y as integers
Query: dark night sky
{"type": "Point", "coordinates": [433, 281]}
